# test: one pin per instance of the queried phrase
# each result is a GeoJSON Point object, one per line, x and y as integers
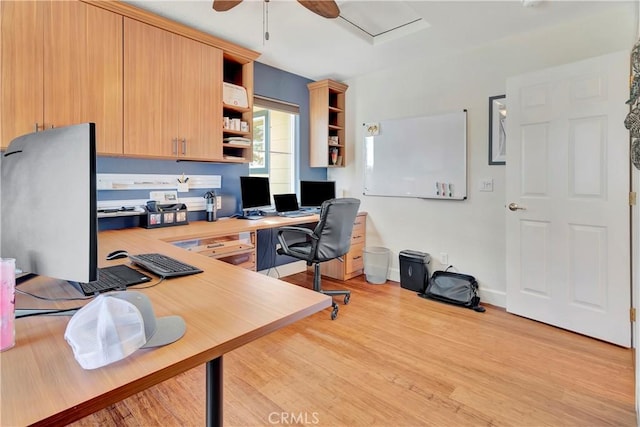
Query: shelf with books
{"type": "Point", "coordinates": [237, 110]}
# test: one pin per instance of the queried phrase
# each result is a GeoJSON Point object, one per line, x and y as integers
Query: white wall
{"type": "Point", "coordinates": [471, 232]}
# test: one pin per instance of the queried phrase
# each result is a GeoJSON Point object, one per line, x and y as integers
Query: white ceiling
{"type": "Point", "coordinates": [314, 47]}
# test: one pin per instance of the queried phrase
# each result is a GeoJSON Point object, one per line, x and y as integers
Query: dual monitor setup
{"type": "Point", "coordinates": [256, 197]}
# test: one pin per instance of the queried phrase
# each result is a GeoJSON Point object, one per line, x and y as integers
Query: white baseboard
{"type": "Point", "coordinates": [497, 298]}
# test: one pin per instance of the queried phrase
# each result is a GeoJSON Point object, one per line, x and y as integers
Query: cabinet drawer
{"type": "Point", "coordinates": [354, 260]}
{"type": "Point", "coordinates": [358, 232]}
{"type": "Point", "coordinates": [360, 222]}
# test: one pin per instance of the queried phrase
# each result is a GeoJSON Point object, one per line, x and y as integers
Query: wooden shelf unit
{"type": "Point", "coordinates": [238, 71]}
{"type": "Point", "coordinates": [327, 124]}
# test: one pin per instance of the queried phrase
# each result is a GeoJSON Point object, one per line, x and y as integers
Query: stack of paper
{"type": "Point", "coordinates": [237, 140]}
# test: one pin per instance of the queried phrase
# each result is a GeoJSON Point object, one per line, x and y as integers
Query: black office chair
{"type": "Point", "coordinates": [330, 239]}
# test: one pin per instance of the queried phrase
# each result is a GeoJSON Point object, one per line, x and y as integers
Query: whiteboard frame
{"type": "Point", "coordinates": [448, 146]}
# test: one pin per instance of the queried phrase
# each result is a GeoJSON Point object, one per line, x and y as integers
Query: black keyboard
{"type": "Point", "coordinates": [163, 265]}
{"type": "Point", "coordinates": [296, 214]}
{"type": "Point", "coordinates": [114, 278]}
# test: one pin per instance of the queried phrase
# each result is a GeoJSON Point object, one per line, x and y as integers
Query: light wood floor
{"type": "Point", "coordinates": [394, 359]}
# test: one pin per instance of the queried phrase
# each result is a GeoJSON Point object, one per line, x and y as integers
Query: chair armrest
{"type": "Point", "coordinates": [294, 229]}
{"type": "Point", "coordinates": [293, 232]}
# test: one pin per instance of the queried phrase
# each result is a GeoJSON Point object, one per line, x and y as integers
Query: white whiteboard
{"type": "Point", "coordinates": [424, 157]}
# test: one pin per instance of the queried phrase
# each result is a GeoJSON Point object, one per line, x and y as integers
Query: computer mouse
{"type": "Point", "coordinates": [120, 253]}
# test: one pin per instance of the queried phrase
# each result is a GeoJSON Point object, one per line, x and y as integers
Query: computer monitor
{"type": "Point", "coordinates": [314, 193]}
{"type": "Point", "coordinates": [48, 203]}
{"type": "Point", "coordinates": [255, 193]}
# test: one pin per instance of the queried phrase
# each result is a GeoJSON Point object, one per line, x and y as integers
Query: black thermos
{"type": "Point", "coordinates": [212, 211]}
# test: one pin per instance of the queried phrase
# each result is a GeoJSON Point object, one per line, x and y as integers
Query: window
{"type": "Point", "coordinates": [275, 128]}
{"type": "Point", "coordinates": [261, 146]}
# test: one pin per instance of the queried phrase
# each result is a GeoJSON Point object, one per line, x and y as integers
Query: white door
{"type": "Point", "coordinates": [568, 238]}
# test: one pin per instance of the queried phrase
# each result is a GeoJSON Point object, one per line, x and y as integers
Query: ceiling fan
{"type": "Point", "coordinates": [324, 8]}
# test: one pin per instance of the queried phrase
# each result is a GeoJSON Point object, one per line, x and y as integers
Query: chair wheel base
{"type": "Point", "coordinates": [334, 311]}
{"type": "Point", "coordinates": [347, 297]}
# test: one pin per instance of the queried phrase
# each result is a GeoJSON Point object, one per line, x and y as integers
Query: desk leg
{"type": "Point", "coordinates": [214, 392]}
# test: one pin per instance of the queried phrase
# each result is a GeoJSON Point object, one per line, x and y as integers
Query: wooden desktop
{"type": "Point", "coordinates": [224, 308]}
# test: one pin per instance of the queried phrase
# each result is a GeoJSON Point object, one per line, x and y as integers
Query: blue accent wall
{"type": "Point", "coordinates": [269, 82]}
{"type": "Point", "coordinates": [284, 86]}
{"type": "Point", "coordinates": [230, 191]}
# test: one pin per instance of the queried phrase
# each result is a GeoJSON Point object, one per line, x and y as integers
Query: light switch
{"type": "Point", "coordinates": [486, 184]}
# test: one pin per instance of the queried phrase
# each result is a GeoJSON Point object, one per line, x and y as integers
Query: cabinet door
{"type": "Point", "coordinates": [200, 100]}
{"type": "Point", "coordinates": [21, 65]}
{"type": "Point", "coordinates": [150, 90]}
{"type": "Point", "coordinates": [319, 127]}
{"type": "Point", "coordinates": [83, 71]}
{"type": "Point", "coordinates": [104, 91]}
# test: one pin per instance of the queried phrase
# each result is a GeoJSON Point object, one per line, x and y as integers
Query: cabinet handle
{"type": "Point", "coordinates": [175, 145]}
{"type": "Point", "coordinates": [37, 127]}
{"type": "Point", "coordinates": [357, 257]}
{"type": "Point", "coordinates": [184, 145]}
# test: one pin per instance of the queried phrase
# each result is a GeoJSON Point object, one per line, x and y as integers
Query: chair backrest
{"type": "Point", "coordinates": [334, 228]}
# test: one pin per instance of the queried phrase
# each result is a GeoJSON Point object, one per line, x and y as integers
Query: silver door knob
{"type": "Point", "coordinates": [514, 207]}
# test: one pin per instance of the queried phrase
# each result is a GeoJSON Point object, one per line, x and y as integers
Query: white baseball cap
{"type": "Point", "coordinates": [116, 324]}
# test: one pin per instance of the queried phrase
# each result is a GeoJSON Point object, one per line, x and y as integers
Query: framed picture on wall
{"type": "Point", "coordinates": [497, 130]}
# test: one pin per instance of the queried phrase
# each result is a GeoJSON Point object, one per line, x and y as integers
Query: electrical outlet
{"type": "Point", "coordinates": [218, 202]}
{"type": "Point", "coordinates": [444, 258]}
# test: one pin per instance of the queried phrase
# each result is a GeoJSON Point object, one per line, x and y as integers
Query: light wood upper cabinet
{"type": "Point", "coordinates": [327, 145]}
{"type": "Point", "coordinates": [172, 96]}
{"type": "Point", "coordinates": [61, 65]}
{"type": "Point", "coordinates": [150, 82]}
{"type": "Point", "coordinates": [21, 47]}
{"type": "Point", "coordinates": [152, 86]}
{"type": "Point", "coordinates": [200, 108]}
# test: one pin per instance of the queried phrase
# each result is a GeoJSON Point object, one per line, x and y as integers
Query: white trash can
{"type": "Point", "coordinates": [376, 264]}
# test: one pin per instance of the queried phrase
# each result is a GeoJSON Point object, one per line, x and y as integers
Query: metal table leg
{"type": "Point", "coordinates": [214, 392]}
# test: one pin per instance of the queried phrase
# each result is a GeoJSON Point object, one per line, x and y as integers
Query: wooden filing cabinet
{"type": "Point", "coordinates": [353, 262]}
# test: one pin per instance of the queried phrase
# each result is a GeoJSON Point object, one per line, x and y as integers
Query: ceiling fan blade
{"type": "Point", "coordinates": [325, 8]}
{"type": "Point", "coordinates": [224, 5]}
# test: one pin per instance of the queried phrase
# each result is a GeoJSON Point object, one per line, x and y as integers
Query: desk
{"type": "Point", "coordinates": [224, 308]}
